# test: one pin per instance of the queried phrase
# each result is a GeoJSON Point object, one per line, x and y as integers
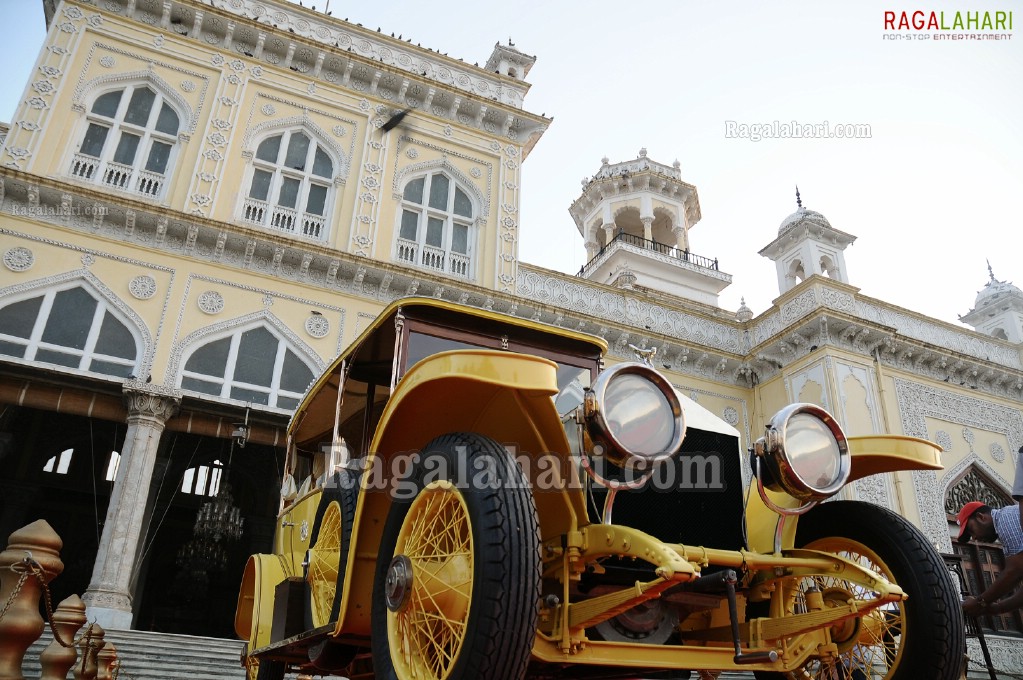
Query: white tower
{"type": "Point", "coordinates": [807, 244]}
{"type": "Point", "coordinates": [634, 218]}
{"type": "Point", "coordinates": [998, 310]}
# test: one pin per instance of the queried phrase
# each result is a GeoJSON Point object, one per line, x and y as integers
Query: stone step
{"type": "Point", "coordinates": [163, 656]}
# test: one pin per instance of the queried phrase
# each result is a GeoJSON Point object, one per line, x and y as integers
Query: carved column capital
{"type": "Point", "coordinates": [145, 400]}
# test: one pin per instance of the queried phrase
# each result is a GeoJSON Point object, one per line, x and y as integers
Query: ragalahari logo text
{"type": "Point", "coordinates": [947, 25]}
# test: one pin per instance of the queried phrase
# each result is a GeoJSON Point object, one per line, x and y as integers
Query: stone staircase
{"type": "Point", "coordinates": [161, 656]}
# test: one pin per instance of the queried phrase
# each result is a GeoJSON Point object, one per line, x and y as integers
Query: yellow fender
{"type": "Point", "coordinates": [261, 576]}
{"type": "Point", "coordinates": [503, 395]}
{"type": "Point", "coordinates": [870, 455]}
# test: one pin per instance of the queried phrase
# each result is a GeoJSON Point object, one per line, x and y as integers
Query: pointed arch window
{"type": "Point", "coordinates": [435, 227]}
{"type": "Point", "coordinates": [253, 365]}
{"type": "Point", "coordinates": [71, 328]}
{"type": "Point", "coordinates": [291, 186]}
{"type": "Point", "coordinates": [129, 141]}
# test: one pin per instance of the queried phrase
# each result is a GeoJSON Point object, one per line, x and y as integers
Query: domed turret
{"type": "Point", "coordinates": [642, 211]}
{"type": "Point", "coordinates": [998, 310]}
{"type": "Point", "coordinates": [807, 244]}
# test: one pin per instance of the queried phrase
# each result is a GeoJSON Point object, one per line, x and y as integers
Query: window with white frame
{"type": "Point", "coordinates": [69, 327]}
{"type": "Point", "coordinates": [203, 480]}
{"type": "Point", "coordinates": [435, 228]}
{"type": "Point", "coordinates": [129, 141]}
{"type": "Point", "coordinates": [292, 177]}
{"type": "Point", "coordinates": [253, 365]}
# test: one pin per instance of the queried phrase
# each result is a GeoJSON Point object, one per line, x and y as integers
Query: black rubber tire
{"type": "Point", "coordinates": [502, 614]}
{"type": "Point", "coordinates": [270, 670]}
{"type": "Point", "coordinates": [935, 641]}
{"type": "Point", "coordinates": [342, 487]}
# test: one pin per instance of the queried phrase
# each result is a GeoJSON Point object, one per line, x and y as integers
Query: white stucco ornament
{"type": "Point", "coordinates": [211, 302]}
{"type": "Point", "coordinates": [317, 326]}
{"type": "Point", "coordinates": [19, 259]}
{"type": "Point", "coordinates": [142, 287]}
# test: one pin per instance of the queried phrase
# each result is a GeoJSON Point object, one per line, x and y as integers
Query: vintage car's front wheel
{"type": "Point", "coordinates": [458, 572]}
{"type": "Point", "coordinates": [922, 637]}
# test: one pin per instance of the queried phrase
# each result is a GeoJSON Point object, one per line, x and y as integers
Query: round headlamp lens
{"type": "Point", "coordinates": [639, 416]}
{"type": "Point", "coordinates": [813, 451]}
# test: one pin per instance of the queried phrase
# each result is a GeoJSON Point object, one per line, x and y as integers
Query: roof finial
{"type": "Point", "coordinates": [990, 272]}
{"type": "Point", "coordinates": [799, 201]}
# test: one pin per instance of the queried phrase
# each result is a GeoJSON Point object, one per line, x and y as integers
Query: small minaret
{"type": "Point", "coordinates": [998, 310]}
{"type": "Point", "coordinates": [807, 244]}
{"type": "Point", "coordinates": [635, 218]}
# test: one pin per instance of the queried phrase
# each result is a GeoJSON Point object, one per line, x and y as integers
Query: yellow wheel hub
{"type": "Point", "coordinates": [323, 565]}
{"type": "Point", "coordinates": [429, 584]}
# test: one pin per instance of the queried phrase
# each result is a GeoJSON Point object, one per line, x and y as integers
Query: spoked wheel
{"type": "Point", "coordinates": [458, 572]}
{"type": "Point", "coordinates": [327, 560]}
{"type": "Point", "coordinates": [921, 637]}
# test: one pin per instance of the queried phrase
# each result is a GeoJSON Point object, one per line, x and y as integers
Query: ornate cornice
{"type": "Point", "coordinates": [332, 52]}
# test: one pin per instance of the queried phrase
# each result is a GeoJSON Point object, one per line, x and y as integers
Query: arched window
{"type": "Point", "coordinates": [129, 141]}
{"type": "Point", "coordinates": [292, 176]}
{"type": "Point", "coordinates": [203, 480]}
{"type": "Point", "coordinates": [253, 365]}
{"type": "Point", "coordinates": [435, 230]}
{"type": "Point", "coordinates": [68, 327]}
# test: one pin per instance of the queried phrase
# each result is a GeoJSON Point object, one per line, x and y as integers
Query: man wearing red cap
{"type": "Point", "coordinates": [979, 521]}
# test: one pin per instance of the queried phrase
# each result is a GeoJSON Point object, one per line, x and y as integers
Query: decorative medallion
{"type": "Point", "coordinates": [256, 71]}
{"type": "Point", "coordinates": [187, 85]}
{"type": "Point", "coordinates": [211, 302]}
{"type": "Point", "coordinates": [217, 60]}
{"type": "Point", "coordinates": [88, 260]}
{"type": "Point", "coordinates": [268, 301]}
{"type": "Point", "coordinates": [944, 440]}
{"type": "Point", "coordinates": [997, 452]}
{"type": "Point", "coordinates": [107, 62]}
{"type": "Point", "coordinates": [317, 326]}
{"type": "Point", "coordinates": [19, 259]}
{"type": "Point", "coordinates": [694, 396]}
{"type": "Point", "coordinates": [730, 415]}
{"type": "Point", "coordinates": [158, 41]}
{"type": "Point", "coordinates": [268, 110]}
{"type": "Point", "coordinates": [142, 287]}
{"type": "Point", "coordinates": [412, 153]}
{"type": "Point", "coordinates": [339, 131]}
{"type": "Point", "coordinates": [447, 131]}
{"type": "Point", "coordinates": [969, 437]}
{"type": "Point", "coordinates": [221, 124]}
{"type": "Point", "coordinates": [476, 172]}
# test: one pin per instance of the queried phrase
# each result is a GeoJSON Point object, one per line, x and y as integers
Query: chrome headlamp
{"type": "Point", "coordinates": [633, 413]}
{"type": "Point", "coordinates": [805, 453]}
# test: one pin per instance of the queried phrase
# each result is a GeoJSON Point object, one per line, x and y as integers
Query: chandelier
{"type": "Point", "coordinates": [218, 522]}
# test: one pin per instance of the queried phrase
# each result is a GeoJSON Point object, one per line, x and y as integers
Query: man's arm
{"type": "Point", "coordinates": [1009, 578]}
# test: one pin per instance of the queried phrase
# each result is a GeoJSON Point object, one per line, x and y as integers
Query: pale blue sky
{"type": "Point", "coordinates": [935, 191]}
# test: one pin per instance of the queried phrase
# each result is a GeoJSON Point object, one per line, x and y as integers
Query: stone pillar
{"type": "Point", "coordinates": [680, 237]}
{"type": "Point", "coordinates": [648, 227]}
{"type": "Point", "coordinates": [108, 597]}
{"type": "Point", "coordinates": [609, 232]}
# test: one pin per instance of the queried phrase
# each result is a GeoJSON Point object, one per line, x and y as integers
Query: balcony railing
{"type": "Point", "coordinates": [284, 219]}
{"type": "Point", "coordinates": [431, 257]}
{"type": "Point", "coordinates": [661, 248]}
{"type": "Point", "coordinates": [118, 176]}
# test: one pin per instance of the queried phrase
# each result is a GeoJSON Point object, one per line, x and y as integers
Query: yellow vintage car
{"type": "Point", "coordinates": [470, 496]}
